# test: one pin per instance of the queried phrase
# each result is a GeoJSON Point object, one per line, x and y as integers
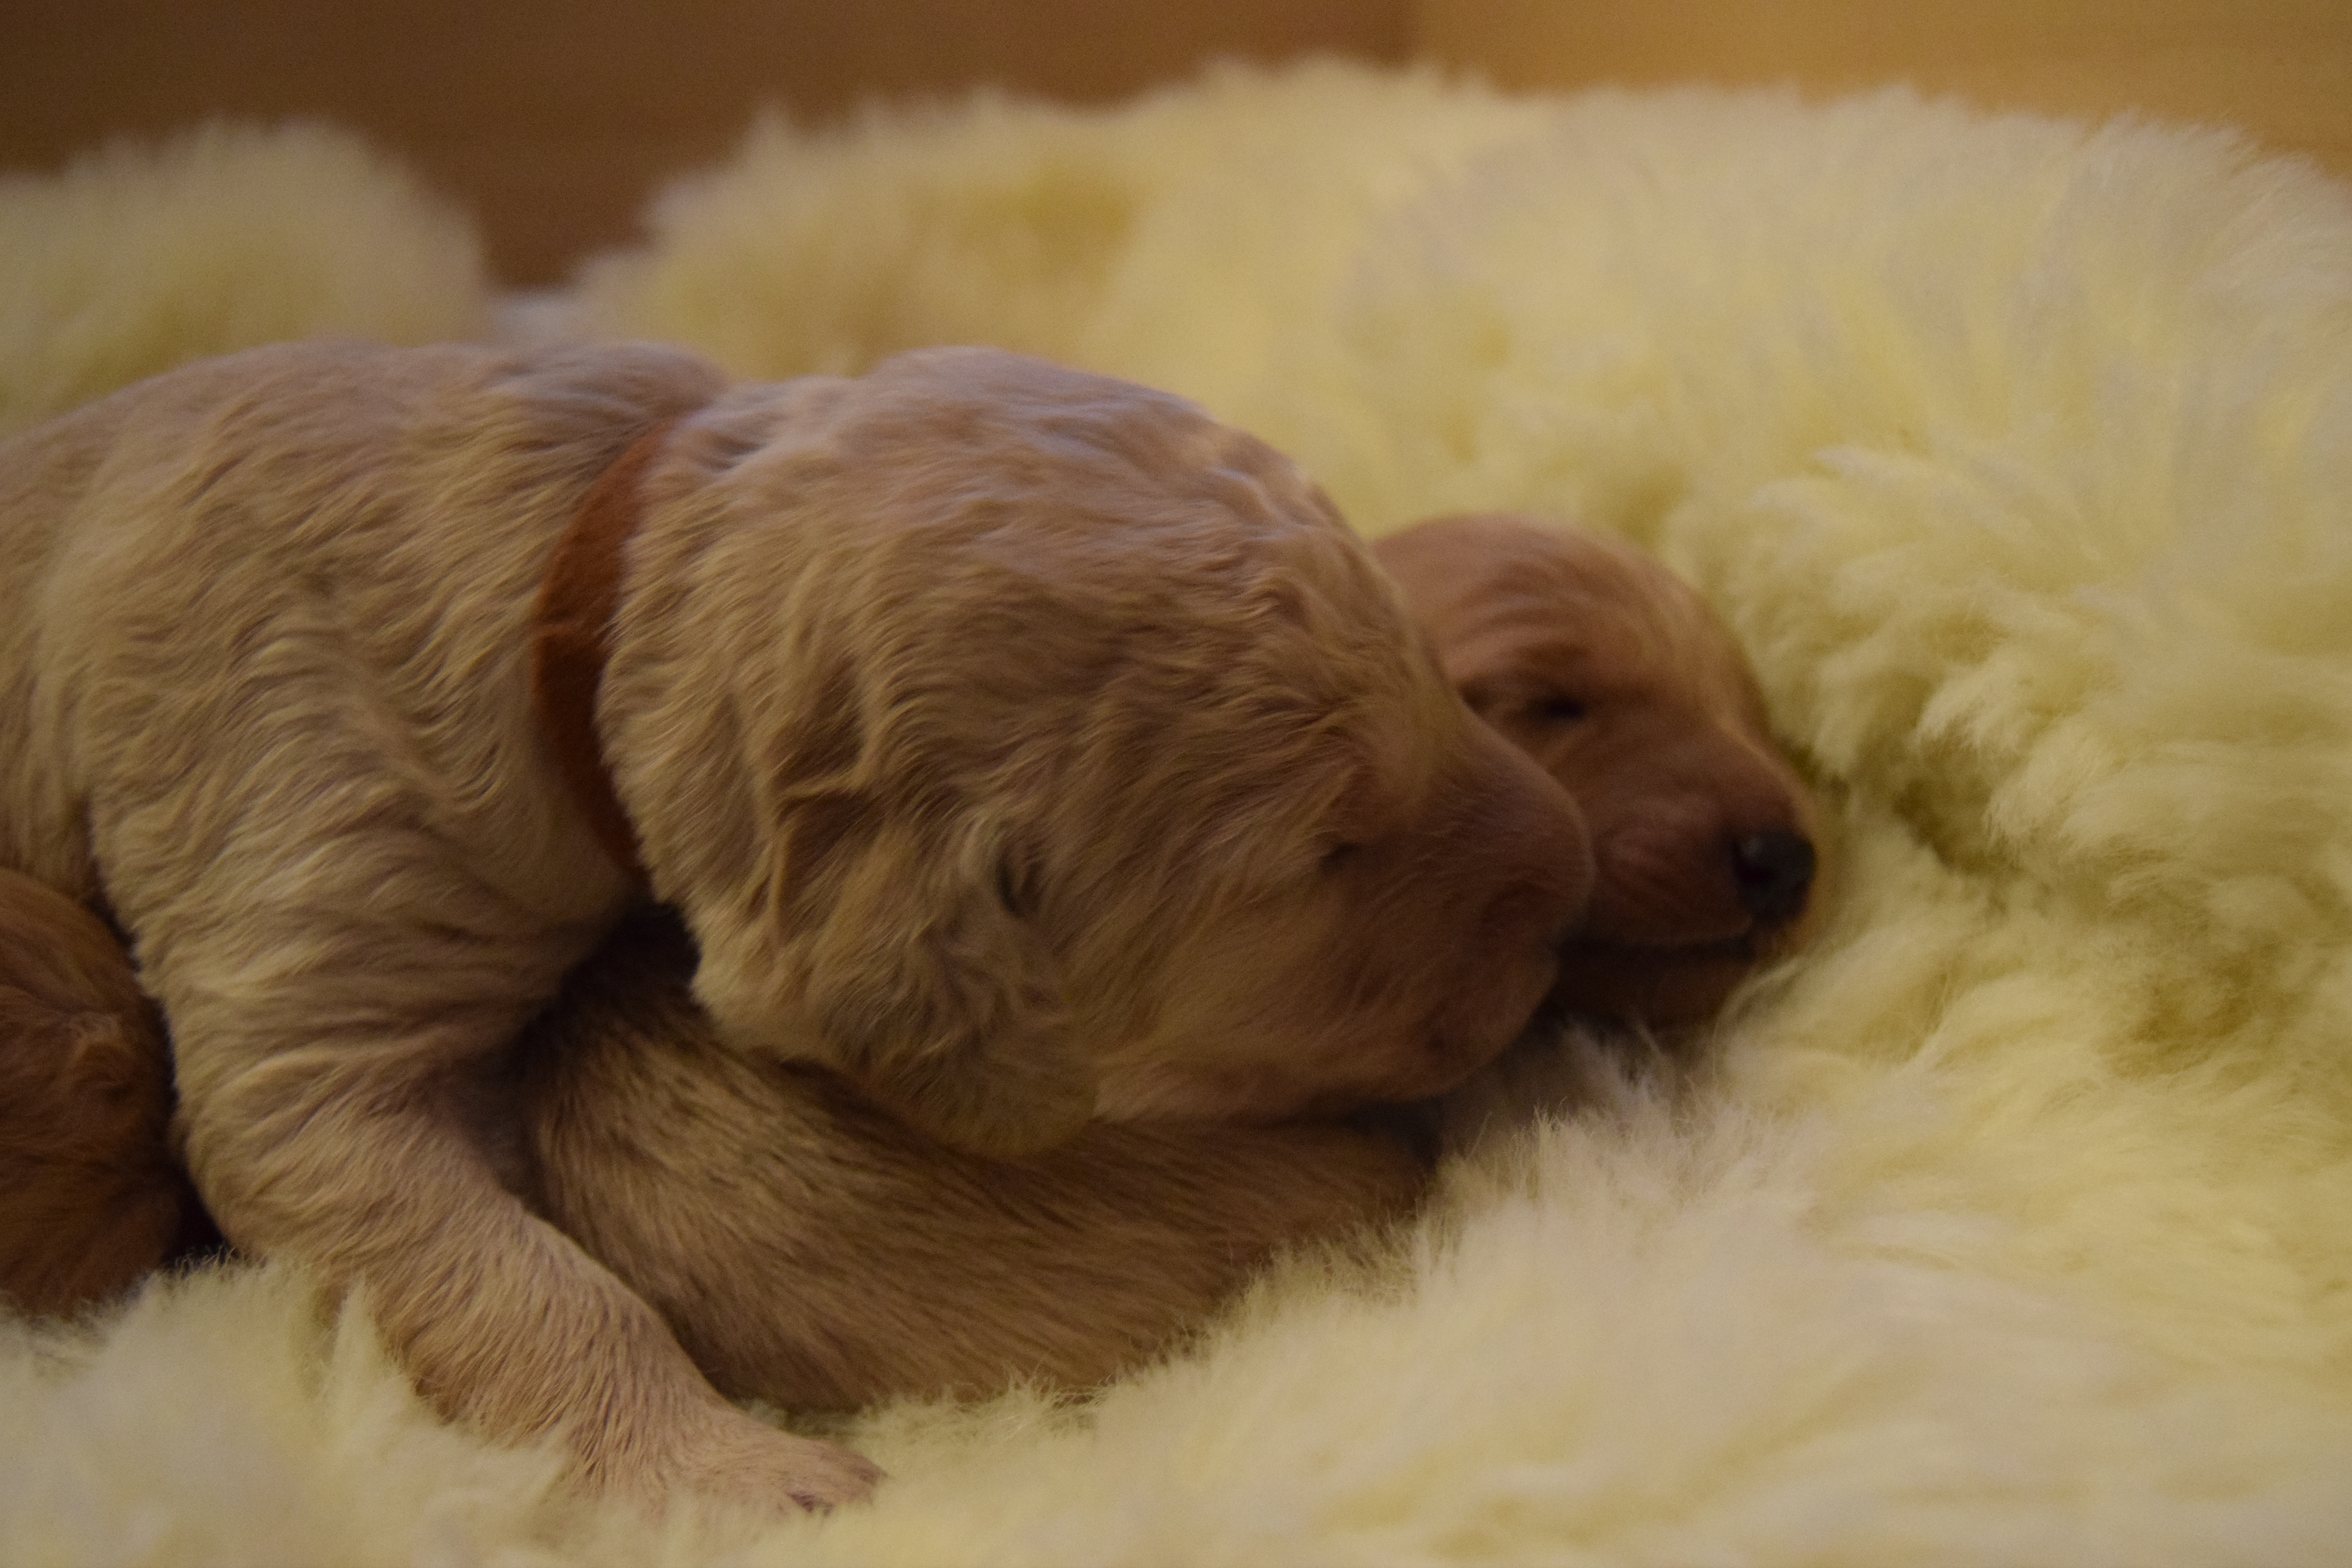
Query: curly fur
{"type": "Point", "coordinates": [1018, 743]}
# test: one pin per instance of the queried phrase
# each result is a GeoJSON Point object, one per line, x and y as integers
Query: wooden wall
{"type": "Point", "coordinates": [554, 119]}
{"type": "Point", "coordinates": [2279, 68]}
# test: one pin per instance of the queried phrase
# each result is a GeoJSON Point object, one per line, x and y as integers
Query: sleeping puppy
{"type": "Point", "coordinates": [1019, 746]}
{"type": "Point", "coordinates": [1614, 675]}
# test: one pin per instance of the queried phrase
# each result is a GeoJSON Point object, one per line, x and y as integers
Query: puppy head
{"type": "Point", "coordinates": [1617, 677]}
{"type": "Point", "coordinates": [1022, 743]}
{"type": "Point", "coordinates": [1380, 945]}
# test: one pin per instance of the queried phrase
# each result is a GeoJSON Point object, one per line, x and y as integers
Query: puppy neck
{"type": "Point", "coordinates": [570, 637]}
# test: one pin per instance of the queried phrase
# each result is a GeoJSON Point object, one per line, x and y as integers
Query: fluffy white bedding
{"type": "Point", "coordinates": [2013, 1224]}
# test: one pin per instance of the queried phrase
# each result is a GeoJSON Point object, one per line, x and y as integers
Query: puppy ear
{"type": "Point", "coordinates": [919, 981]}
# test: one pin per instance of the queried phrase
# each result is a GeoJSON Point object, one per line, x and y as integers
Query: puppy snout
{"type": "Point", "coordinates": [1774, 870]}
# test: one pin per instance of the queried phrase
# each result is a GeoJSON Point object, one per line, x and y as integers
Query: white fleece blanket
{"type": "Point", "coordinates": [2011, 1224]}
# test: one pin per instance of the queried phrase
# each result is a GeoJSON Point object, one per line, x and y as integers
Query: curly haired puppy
{"type": "Point", "coordinates": [1019, 744]}
{"type": "Point", "coordinates": [1613, 674]}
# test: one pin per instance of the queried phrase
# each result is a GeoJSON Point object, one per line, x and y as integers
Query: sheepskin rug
{"type": "Point", "coordinates": [2010, 1224]}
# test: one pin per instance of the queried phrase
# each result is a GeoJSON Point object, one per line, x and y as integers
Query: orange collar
{"type": "Point", "coordinates": [571, 636]}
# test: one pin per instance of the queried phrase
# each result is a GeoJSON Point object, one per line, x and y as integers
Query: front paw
{"type": "Point", "coordinates": [741, 1462]}
{"type": "Point", "coordinates": [814, 1475]}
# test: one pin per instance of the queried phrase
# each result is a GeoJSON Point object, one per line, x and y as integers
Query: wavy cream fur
{"type": "Point", "coordinates": [2009, 1225]}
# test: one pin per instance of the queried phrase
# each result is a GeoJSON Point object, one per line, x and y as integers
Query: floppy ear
{"type": "Point", "coordinates": [920, 983]}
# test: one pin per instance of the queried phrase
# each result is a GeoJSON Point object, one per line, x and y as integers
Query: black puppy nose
{"type": "Point", "coordinates": [1775, 869]}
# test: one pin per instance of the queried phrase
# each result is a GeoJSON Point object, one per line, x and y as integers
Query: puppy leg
{"type": "Point", "coordinates": [337, 1128]}
{"type": "Point", "coordinates": [502, 1322]}
{"type": "Point", "coordinates": [90, 1198]}
{"type": "Point", "coordinates": [810, 1249]}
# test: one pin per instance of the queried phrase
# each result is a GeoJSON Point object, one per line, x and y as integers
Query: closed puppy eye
{"type": "Point", "coordinates": [1340, 855]}
{"type": "Point", "coordinates": [1514, 701]}
{"type": "Point", "coordinates": [1555, 708]}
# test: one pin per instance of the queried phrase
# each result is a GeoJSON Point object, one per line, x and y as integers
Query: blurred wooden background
{"type": "Point", "coordinates": [554, 119]}
{"type": "Point", "coordinates": [2281, 69]}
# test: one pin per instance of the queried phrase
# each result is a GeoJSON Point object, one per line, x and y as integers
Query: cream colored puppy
{"type": "Point", "coordinates": [1018, 743]}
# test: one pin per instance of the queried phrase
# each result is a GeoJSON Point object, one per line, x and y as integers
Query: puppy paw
{"type": "Point", "coordinates": [742, 1462]}
{"type": "Point", "coordinates": [817, 1475]}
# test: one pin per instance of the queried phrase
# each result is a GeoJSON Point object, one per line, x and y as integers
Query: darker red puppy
{"type": "Point", "coordinates": [1617, 676]}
